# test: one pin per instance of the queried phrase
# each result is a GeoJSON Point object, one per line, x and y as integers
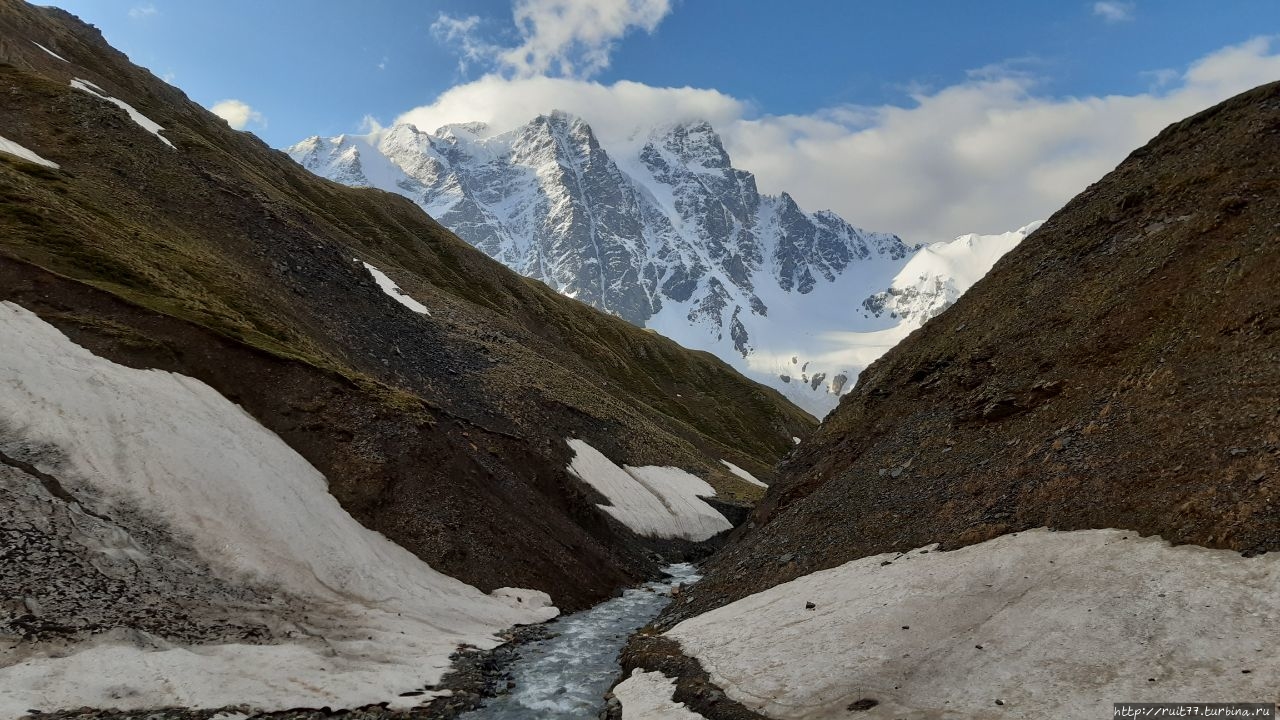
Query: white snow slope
{"type": "Point", "coordinates": [647, 696]}
{"type": "Point", "coordinates": [138, 118]}
{"type": "Point", "coordinates": [17, 150]}
{"type": "Point", "coordinates": [47, 50]}
{"type": "Point", "coordinates": [938, 274]}
{"type": "Point", "coordinates": [390, 287]}
{"type": "Point", "coordinates": [743, 474]}
{"type": "Point", "coordinates": [663, 231]}
{"type": "Point", "coordinates": [379, 620]}
{"type": "Point", "coordinates": [654, 501]}
{"type": "Point", "coordinates": [1050, 624]}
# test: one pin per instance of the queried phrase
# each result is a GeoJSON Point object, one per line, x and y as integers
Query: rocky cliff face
{"type": "Point", "coordinates": [661, 231]}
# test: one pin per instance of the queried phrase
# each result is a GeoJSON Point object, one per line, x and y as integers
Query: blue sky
{"type": "Point", "coordinates": [803, 79]}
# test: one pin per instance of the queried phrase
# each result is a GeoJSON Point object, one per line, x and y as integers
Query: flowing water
{"type": "Point", "coordinates": [565, 677]}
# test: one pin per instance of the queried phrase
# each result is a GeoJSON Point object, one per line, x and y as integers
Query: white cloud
{"type": "Point", "coordinates": [1114, 12]}
{"type": "Point", "coordinates": [613, 110]}
{"type": "Point", "coordinates": [986, 155]}
{"type": "Point", "coordinates": [238, 114]}
{"type": "Point", "coordinates": [142, 11]}
{"type": "Point", "coordinates": [568, 38]}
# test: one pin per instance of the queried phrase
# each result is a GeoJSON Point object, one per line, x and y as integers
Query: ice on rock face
{"type": "Point", "coordinates": [659, 229]}
{"type": "Point", "coordinates": [938, 274]}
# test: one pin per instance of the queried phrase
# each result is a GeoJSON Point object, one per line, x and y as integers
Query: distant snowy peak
{"type": "Point", "coordinates": [662, 230]}
{"type": "Point", "coordinates": [937, 275]}
{"type": "Point", "coordinates": [666, 219]}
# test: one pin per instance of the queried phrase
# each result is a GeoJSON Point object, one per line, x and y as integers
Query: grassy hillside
{"type": "Point", "coordinates": [222, 248]}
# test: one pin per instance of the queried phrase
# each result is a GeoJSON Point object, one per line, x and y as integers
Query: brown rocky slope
{"type": "Point", "coordinates": [1118, 369]}
{"type": "Point", "coordinates": [221, 259]}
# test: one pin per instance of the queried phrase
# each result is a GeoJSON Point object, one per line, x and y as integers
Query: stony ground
{"type": "Point", "coordinates": [68, 574]}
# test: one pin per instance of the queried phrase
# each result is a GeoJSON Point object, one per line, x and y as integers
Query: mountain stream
{"type": "Point", "coordinates": [566, 676]}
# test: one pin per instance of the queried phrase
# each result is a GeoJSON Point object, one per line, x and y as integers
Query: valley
{"type": "Point", "coordinates": [522, 421]}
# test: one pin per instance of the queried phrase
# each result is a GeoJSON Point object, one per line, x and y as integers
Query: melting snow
{"type": "Point", "coordinates": [138, 118]}
{"type": "Point", "coordinates": [17, 150]}
{"type": "Point", "coordinates": [381, 621]}
{"type": "Point", "coordinates": [743, 474]}
{"type": "Point", "coordinates": [654, 501]}
{"type": "Point", "coordinates": [391, 288]}
{"type": "Point", "coordinates": [647, 696]}
{"type": "Point", "coordinates": [1051, 624]}
{"type": "Point", "coordinates": [33, 42]}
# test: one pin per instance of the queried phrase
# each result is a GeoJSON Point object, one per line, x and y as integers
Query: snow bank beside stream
{"type": "Point", "coordinates": [375, 620]}
{"type": "Point", "coordinates": [1035, 624]}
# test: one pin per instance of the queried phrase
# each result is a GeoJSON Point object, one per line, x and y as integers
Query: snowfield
{"type": "Point", "coordinates": [743, 474]}
{"type": "Point", "coordinates": [662, 502]}
{"type": "Point", "coordinates": [1035, 624]}
{"type": "Point", "coordinates": [373, 619]}
{"type": "Point", "coordinates": [647, 696]}
{"type": "Point", "coordinates": [138, 118]}
{"type": "Point", "coordinates": [47, 50]}
{"type": "Point", "coordinates": [390, 287]}
{"type": "Point", "coordinates": [17, 150]}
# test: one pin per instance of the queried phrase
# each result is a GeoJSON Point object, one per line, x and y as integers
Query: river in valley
{"type": "Point", "coordinates": [566, 676]}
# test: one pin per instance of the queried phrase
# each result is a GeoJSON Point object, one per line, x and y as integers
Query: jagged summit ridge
{"type": "Point", "coordinates": [662, 230]}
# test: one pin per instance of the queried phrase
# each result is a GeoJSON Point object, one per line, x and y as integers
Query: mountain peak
{"type": "Point", "coordinates": [666, 234]}
{"type": "Point", "coordinates": [695, 141]}
{"type": "Point", "coordinates": [474, 129]}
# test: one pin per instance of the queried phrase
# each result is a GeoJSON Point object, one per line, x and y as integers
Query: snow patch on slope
{"type": "Point", "coordinates": [1051, 624]}
{"type": "Point", "coordinates": [138, 118]}
{"type": "Point", "coordinates": [743, 474]}
{"type": "Point", "coordinates": [379, 620]}
{"type": "Point", "coordinates": [663, 502]}
{"type": "Point", "coordinates": [648, 696]}
{"type": "Point", "coordinates": [17, 150]}
{"type": "Point", "coordinates": [33, 42]}
{"type": "Point", "coordinates": [390, 287]}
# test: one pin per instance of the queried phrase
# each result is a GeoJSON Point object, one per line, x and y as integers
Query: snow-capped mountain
{"type": "Point", "coordinates": [660, 230]}
{"type": "Point", "coordinates": [937, 274]}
